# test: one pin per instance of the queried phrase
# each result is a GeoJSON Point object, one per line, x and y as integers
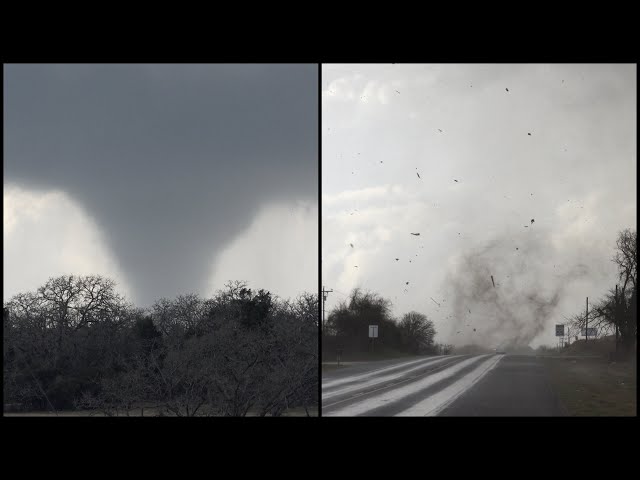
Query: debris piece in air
{"type": "Point", "coordinates": [507, 89]}
{"type": "Point", "coordinates": [516, 248]}
{"type": "Point", "coordinates": [407, 283]}
{"type": "Point", "coordinates": [434, 301]}
{"type": "Point", "coordinates": [526, 226]}
{"type": "Point", "coordinates": [397, 259]}
{"type": "Point", "coordinates": [397, 92]}
{"type": "Point", "coordinates": [455, 180]}
{"type": "Point", "coordinates": [532, 220]}
{"type": "Point", "coordinates": [356, 266]}
{"type": "Point", "coordinates": [416, 234]}
{"type": "Point", "coordinates": [418, 174]}
{"type": "Point", "coordinates": [529, 134]}
{"type": "Point", "coordinates": [469, 311]}
{"type": "Point", "coordinates": [440, 130]}
{"type": "Point", "coordinates": [474, 329]}
{"type": "Point", "coordinates": [380, 161]}
{"type": "Point", "coordinates": [494, 284]}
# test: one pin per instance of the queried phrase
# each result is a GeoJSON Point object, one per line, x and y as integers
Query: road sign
{"type": "Point", "coordinates": [559, 330]}
{"type": "Point", "coordinates": [592, 332]}
{"type": "Point", "coordinates": [373, 331]}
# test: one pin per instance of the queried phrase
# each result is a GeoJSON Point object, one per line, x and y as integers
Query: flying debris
{"type": "Point", "coordinates": [494, 284]}
{"type": "Point", "coordinates": [434, 301]}
{"type": "Point", "coordinates": [469, 310]}
{"type": "Point", "coordinates": [416, 234]}
{"type": "Point", "coordinates": [407, 283]}
{"type": "Point", "coordinates": [397, 92]}
{"type": "Point", "coordinates": [529, 134]}
{"type": "Point", "coordinates": [526, 226]}
{"type": "Point", "coordinates": [356, 266]}
{"type": "Point", "coordinates": [474, 329]}
{"type": "Point", "coordinates": [418, 174]}
{"type": "Point", "coordinates": [440, 130]}
{"type": "Point", "coordinates": [532, 220]}
{"type": "Point", "coordinates": [397, 259]}
{"type": "Point", "coordinates": [455, 180]}
{"type": "Point", "coordinates": [507, 89]}
{"type": "Point", "coordinates": [351, 245]}
{"type": "Point", "coordinates": [381, 161]}
{"type": "Point", "coordinates": [516, 248]}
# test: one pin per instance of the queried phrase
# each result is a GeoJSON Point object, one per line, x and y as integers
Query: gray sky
{"type": "Point", "coordinates": [575, 175]}
{"type": "Point", "coordinates": [169, 178]}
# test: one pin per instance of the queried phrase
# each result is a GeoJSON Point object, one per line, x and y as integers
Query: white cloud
{"type": "Point", "coordinates": [277, 252]}
{"type": "Point", "coordinates": [47, 234]}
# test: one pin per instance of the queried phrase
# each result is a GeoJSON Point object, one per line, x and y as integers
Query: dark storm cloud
{"type": "Point", "coordinates": [172, 161]}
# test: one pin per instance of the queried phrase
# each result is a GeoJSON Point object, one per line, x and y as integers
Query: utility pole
{"type": "Point", "coordinates": [324, 299]}
{"type": "Point", "coordinates": [586, 327]}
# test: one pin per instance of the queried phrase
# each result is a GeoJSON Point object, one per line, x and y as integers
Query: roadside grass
{"type": "Point", "coordinates": [591, 386]}
{"type": "Point", "coordinates": [148, 412]}
{"type": "Point", "coordinates": [329, 367]}
{"type": "Point", "coordinates": [381, 354]}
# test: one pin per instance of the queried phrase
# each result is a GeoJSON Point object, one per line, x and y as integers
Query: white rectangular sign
{"type": "Point", "coordinates": [373, 331]}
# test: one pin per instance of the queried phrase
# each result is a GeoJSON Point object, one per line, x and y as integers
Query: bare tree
{"type": "Point", "coordinates": [417, 332]}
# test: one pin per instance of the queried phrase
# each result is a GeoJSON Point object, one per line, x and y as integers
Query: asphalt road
{"type": "Point", "coordinates": [463, 385]}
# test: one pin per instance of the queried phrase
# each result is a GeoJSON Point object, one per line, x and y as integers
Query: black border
{"type": "Point", "coordinates": [319, 240]}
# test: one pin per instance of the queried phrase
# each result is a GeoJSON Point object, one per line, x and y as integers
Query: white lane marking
{"type": "Point", "coordinates": [437, 402]}
{"type": "Point", "coordinates": [385, 378]}
{"type": "Point", "coordinates": [391, 396]}
{"type": "Point", "coordinates": [372, 373]}
{"type": "Point", "coordinates": [386, 386]}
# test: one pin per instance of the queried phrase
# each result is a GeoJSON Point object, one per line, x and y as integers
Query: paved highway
{"type": "Point", "coordinates": [452, 385]}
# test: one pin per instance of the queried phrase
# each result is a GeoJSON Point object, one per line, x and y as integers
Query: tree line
{"type": "Point", "coordinates": [75, 343]}
{"type": "Point", "coordinates": [616, 312]}
{"type": "Point", "coordinates": [347, 326]}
